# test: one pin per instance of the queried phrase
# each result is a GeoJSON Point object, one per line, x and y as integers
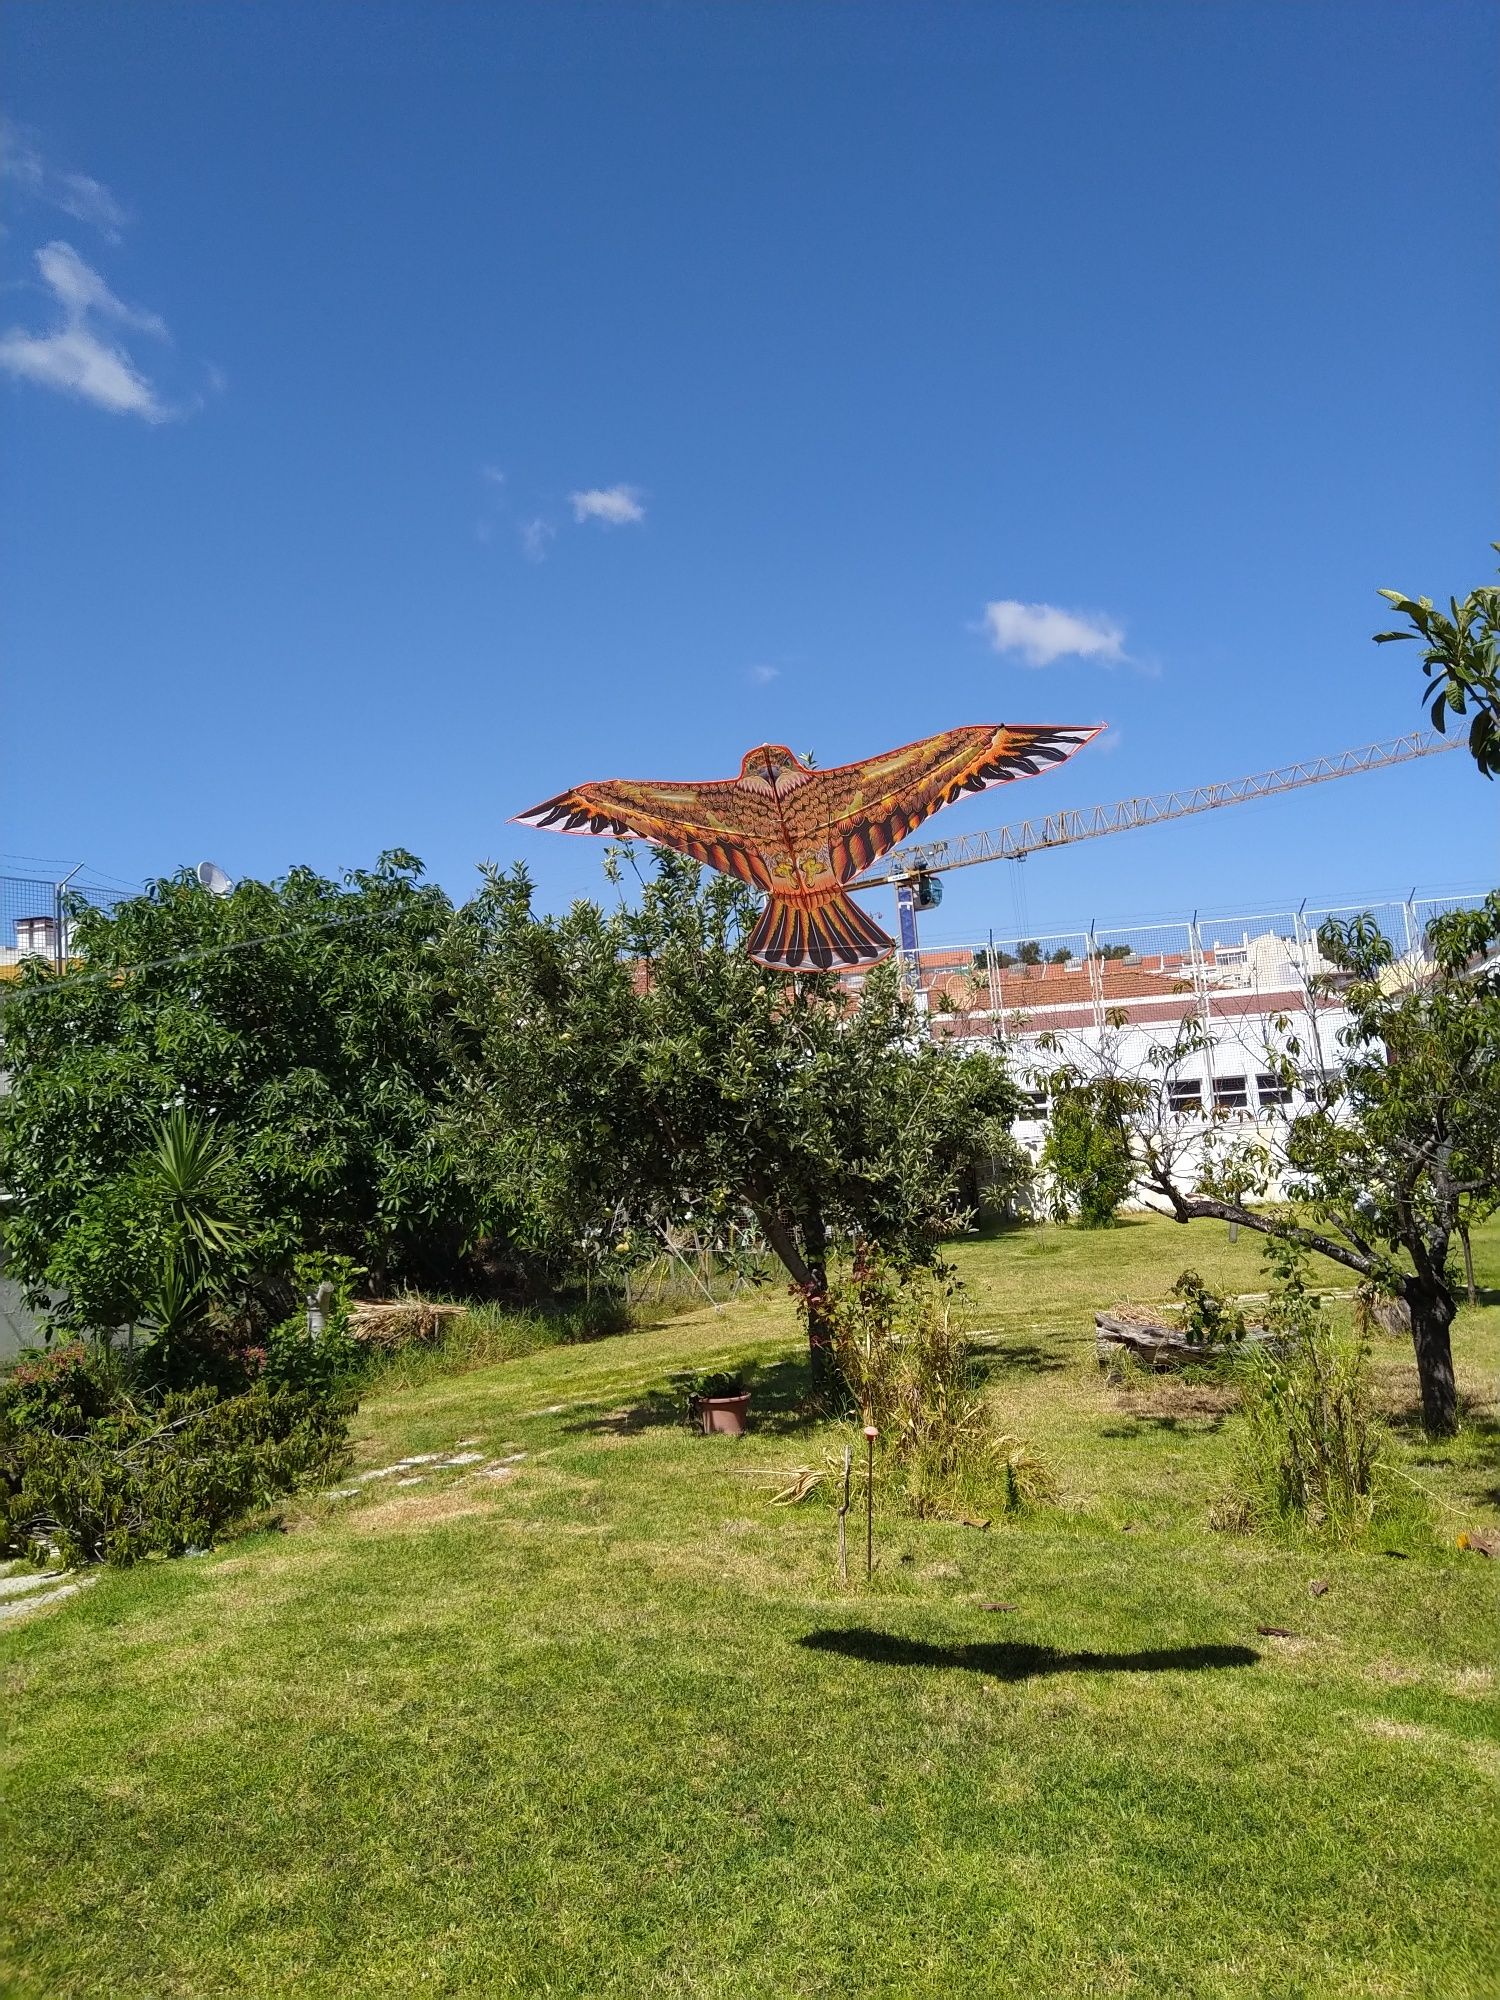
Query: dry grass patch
{"type": "Point", "coordinates": [406, 1511]}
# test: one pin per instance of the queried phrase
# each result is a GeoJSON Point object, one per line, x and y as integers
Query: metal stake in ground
{"type": "Point", "coordinates": [844, 1517]}
{"type": "Point", "coordinates": [870, 1436]}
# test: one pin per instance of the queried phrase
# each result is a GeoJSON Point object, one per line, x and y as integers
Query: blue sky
{"type": "Point", "coordinates": [411, 410]}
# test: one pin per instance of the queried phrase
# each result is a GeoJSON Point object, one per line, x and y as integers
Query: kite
{"type": "Point", "coordinates": [802, 835]}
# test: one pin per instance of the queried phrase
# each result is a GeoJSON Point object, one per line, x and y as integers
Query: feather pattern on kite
{"type": "Point", "coordinates": [802, 835]}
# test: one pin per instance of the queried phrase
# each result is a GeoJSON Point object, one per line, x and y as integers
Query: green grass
{"type": "Point", "coordinates": [612, 1727]}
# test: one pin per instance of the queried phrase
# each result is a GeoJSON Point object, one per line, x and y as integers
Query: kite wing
{"type": "Point", "coordinates": [716, 822]}
{"type": "Point", "coordinates": [864, 809]}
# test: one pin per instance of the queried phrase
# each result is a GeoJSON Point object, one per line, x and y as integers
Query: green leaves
{"type": "Point", "coordinates": [641, 1073]}
{"type": "Point", "coordinates": [1088, 1153]}
{"type": "Point", "coordinates": [317, 1028]}
{"type": "Point", "coordinates": [1461, 659]}
{"type": "Point", "coordinates": [191, 1171]}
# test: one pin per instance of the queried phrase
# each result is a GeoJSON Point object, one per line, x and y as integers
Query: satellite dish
{"type": "Point", "coordinates": [213, 878]}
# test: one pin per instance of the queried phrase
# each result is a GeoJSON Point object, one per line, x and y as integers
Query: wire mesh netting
{"type": "Point", "coordinates": [36, 917]}
{"type": "Point", "coordinates": [1109, 975]}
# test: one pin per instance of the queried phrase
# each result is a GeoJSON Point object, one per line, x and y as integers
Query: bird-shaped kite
{"type": "Point", "coordinates": [802, 834]}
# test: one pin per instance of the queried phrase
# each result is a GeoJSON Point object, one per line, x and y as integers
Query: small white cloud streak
{"type": "Point", "coordinates": [79, 290]}
{"type": "Point", "coordinates": [78, 363]}
{"type": "Point", "coordinates": [73, 358]}
{"type": "Point", "coordinates": [763, 676]}
{"type": "Point", "coordinates": [78, 195]}
{"type": "Point", "coordinates": [536, 537]}
{"type": "Point", "coordinates": [615, 506]}
{"type": "Point", "coordinates": [1041, 633]}
{"type": "Point", "coordinates": [493, 474]}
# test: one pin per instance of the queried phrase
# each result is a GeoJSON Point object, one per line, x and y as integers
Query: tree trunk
{"type": "Point", "coordinates": [1463, 1237]}
{"type": "Point", "coordinates": [1432, 1311]}
{"type": "Point", "coordinates": [806, 1265]}
{"type": "Point", "coordinates": [819, 1332]}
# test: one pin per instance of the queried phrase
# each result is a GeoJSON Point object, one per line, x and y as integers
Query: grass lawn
{"type": "Point", "coordinates": [608, 1724]}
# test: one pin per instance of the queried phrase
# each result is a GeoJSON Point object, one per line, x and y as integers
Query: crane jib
{"type": "Point", "coordinates": [1012, 843]}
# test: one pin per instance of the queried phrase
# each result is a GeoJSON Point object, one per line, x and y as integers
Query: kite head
{"type": "Point", "coordinates": [773, 771]}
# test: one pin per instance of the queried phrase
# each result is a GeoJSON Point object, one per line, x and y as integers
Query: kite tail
{"type": "Point", "coordinates": [817, 933]}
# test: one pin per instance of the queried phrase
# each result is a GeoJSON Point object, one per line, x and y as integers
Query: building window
{"type": "Point", "coordinates": [1271, 1090]}
{"type": "Point", "coordinates": [1230, 1094]}
{"type": "Point", "coordinates": [34, 933]}
{"type": "Point", "coordinates": [1185, 1095]}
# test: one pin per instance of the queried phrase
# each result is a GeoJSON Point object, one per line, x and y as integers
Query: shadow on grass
{"type": "Point", "coordinates": [1017, 1662]}
{"type": "Point", "coordinates": [1190, 1423]}
{"type": "Point", "coordinates": [1478, 1434]}
{"type": "Point", "coordinates": [654, 1412]}
{"type": "Point", "coordinates": [1015, 1357]}
{"type": "Point", "coordinates": [780, 1403]}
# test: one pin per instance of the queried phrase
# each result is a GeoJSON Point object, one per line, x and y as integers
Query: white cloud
{"type": "Point", "coordinates": [535, 538]}
{"type": "Point", "coordinates": [78, 195]}
{"type": "Point", "coordinates": [493, 474]}
{"type": "Point", "coordinates": [616, 506]}
{"type": "Point", "coordinates": [80, 364]}
{"type": "Point", "coordinates": [73, 358]}
{"type": "Point", "coordinates": [1041, 633]}
{"type": "Point", "coordinates": [763, 676]}
{"type": "Point", "coordinates": [79, 289]}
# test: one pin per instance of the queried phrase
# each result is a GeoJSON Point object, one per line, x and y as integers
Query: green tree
{"type": "Point", "coordinates": [1088, 1148]}
{"type": "Point", "coordinates": [315, 1024]}
{"type": "Point", "coordinates": [1399, 1148]}
{"type": "Point", "coordinates": [643, 1073]}
{"type": "Point", "coordinates": [1461, 659]}
{"type": "Point", "coordinates": [1029, 952]}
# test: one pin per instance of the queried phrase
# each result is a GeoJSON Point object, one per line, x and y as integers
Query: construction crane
{"type": "Point", "coordinates": [914, 871]}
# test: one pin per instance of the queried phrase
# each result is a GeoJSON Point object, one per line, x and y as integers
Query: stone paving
{"type": "Point", "coordinates": [23, 1590]}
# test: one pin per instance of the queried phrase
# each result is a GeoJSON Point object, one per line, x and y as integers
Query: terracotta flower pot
{"type": "Point", "coordinates": [726, 1415]}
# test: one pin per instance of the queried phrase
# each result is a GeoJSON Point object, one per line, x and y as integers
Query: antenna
{"type": "Point", "coordinates": [212, 877]}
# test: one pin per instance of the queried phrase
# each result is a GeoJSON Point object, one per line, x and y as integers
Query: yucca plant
{"type": "Point", "coordinates": [188, 1178]}
{"type": "Point", "coordinates": [191, 1170]}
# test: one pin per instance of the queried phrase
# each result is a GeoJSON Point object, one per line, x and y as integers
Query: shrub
{"type": "Point", "coordinates": [1088, 1151]}
{"type": "Point", "coordinates": [102, 1476]}
{"type": "Point", "coordinates": [1208, 1318]}
{"type": "Point", "coordinates": [324, 1362]}
{"type": "Point", "coordinates": [904, 1359]}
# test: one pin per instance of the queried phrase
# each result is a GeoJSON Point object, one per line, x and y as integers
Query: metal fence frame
{"type": "Point", "coordinates": [30, 900]}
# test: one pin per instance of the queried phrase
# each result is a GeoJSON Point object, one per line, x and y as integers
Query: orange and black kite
{"type": "Point", "coordinates": [802, 835]}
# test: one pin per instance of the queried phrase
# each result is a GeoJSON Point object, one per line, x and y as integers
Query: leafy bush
{"type": "Point", "coordinates": [1208, 1318]}
{"type": "Point", "coordinates": [721, 1382]}
{"type": "Point", "coordinates": [105, 1475]}
{"type": "Point", "coordinates": [1088, 1151]}
{"type": "Point", "coordinates": [904, 1358]}
{"type": "Point", "coordinates": [327, 1361]}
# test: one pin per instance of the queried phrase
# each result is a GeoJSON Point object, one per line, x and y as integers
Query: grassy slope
{"type": "Point", "coordinates": [566, 1734]}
